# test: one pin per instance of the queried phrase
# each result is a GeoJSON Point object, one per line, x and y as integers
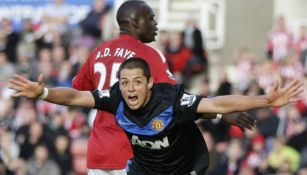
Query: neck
{"type": "Point", "coordinates": [148, 97]}
{"type": "Point", "coordinates": [128, 32]}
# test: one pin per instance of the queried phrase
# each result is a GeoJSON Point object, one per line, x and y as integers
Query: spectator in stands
{"type": "Point", "coordinates": [55, 16]}
{"type": "Point", "coordinates": [267, 123]}
{"type": "Point", "coordinates": [6, 112]}
{"type": "Point", "coordinates": [257, 153]}
{"type": "Point", "coordinates": [56, 124]}
{"type": "Point", "coordinates": [74, 119]}
{"type": "Point", "coordinates": [9, 39]}
{"type": "Point", "coordinates": [303, 60]}
{"type": "Point", "coordinates": [33, 135]}
{"type": "Point", "coordinates": [266, 73]}
{"type": "Point", "coordinates": [279, 41]}
{"type": "Point", "coordinates": [93, 23]}
{"type": "Point", "coordinates": [9, 151]}
{"type": "Point", "coordinates": [254, 89]}
{"type": "Point", "coordinates": [231, 163]}
{"type": "Point", "coordinates": [225, 86]}
{"type": "Point", "coordinates": [193, 40]}
{"type": "Point", "coordinates": [291, 67]}
{"type": "Point", "coordinates": [64, 77]}
{"type": "Point", "coordinates": [177, 56]}
{"type": "Point", "coordinates": [58, 56]}
{"type": "Point", "coordinates": [301, 42]}
{"type": "Point", "coordinates": [77, 57]}
{"type": "Point", "coordinates": [7, 69]}
{"type": "Point", "coordinates": [27, 37]}
{"type": "Point", "coordinates": [79, 150]}
{"type": "Point", "coordinates": [54, 24]}
{"type": "Point", "coordinates": [297, 140]}
{"type": "Point", "coordinates": [63, 156]}
{"type": "Point", "coordinates": [41, 164]}
{"type": "Point", "coordinates": [25, 64]}
{"type": "Point", "coordinates": [245, 65]}
{"type": "Point", "coordinates": [294, 122]}
{"type": "Point", "coordinates": [283, 159]}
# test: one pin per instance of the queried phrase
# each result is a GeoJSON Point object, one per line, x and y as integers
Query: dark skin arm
{"type": "Point", "coordinates": [239, 119]}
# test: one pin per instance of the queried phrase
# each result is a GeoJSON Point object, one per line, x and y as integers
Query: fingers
{"type": "Point", "coordinates": [246, 121]}
{"type": "Point", "coordinates": [248, 125]}
{"type": "Point", "coordinates": [17, 94]}
{"type": "Point", "coordinates": [276, 85]}
{"type": "Point", "coordinates": [297, 89]}
{"type": "Point", "coordinates": [294, 88]}
{"type": "Point", "coordinates": [294, 100]}
{"type": "Point", "coordinates": [248, 118]}
{"type": "Point", "coordinates": [15, 83]}
{"type": "Point", "coordinates": [21, 78]}
{"type": "Point", "coordinates": [293, 85]}
{"type": "Point", "coordinates": [40, 79]}
{"type": "Point", "coordinates": [244, 124]}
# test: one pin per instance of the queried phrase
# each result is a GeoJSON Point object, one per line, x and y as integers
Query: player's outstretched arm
{"type": "Point", "coordinates": [63, 96]}
{"type": "Point", "coordinates": [235, 103]}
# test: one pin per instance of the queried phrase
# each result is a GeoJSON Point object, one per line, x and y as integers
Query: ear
{"type": "Point", "coordinates": [135, 22]}
{"type": "Point", "coordinates": [150, 83]}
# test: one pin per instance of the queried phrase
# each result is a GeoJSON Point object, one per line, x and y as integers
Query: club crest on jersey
{"type": "Point", "coordinates": [187, 100]}
{"type": "Point", "coordinates": [104, 93]}
{"type": "Point", "coordinates": [157, 124]}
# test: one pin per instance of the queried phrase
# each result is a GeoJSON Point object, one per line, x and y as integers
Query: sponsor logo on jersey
{"type": "Point", "coordinates": [104, 93]}
{"type": "Point", "coordinates": [187, 100]}
{"type": "Point", "coordinates": [157, 124]}
{"type": "Point", "coordinates": [156, 145]}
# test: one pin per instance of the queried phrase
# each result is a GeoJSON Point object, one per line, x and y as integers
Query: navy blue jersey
{"type": "Point", "coordinates": [164, 138]}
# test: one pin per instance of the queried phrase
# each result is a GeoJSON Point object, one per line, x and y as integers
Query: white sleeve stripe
{"type": "Point", "coordinates": [161, 55]}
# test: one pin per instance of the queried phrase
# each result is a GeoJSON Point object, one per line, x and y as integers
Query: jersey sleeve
{"type": "Point", "coordinates": [186, 106]}
{"type": "Point", "coordinates": [107, 100]}
{"type": "Point", "coordinates": [83, 79]}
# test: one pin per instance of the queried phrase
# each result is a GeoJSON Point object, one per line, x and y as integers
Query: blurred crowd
{"type": "Point", "coordinates": [39, 138]}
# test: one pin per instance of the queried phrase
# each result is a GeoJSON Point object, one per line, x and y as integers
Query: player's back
{"type": "Point", "coordinates": [109, 55]}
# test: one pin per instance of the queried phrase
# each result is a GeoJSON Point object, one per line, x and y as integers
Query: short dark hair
{"type": "Point", "coordinates": [128, 8]}
{"type": "Point", "coordinates": [133, 63]}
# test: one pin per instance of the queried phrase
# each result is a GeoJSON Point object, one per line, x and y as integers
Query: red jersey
{"type": "Point", "coordinates": [279, 42]}
{"type": "Point", "coordinates": [108, 146]}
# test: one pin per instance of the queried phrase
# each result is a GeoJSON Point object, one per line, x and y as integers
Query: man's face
{"type": "Point", "coordinates": [134, 87]}
{"type": "Point", "coordinates": [148, 25]}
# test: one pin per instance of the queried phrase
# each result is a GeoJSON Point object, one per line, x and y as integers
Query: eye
{"type": "Point", "coordinates": [138, 82]}
{"type": "Point", "coordinates": [152, 17]}
{"type": "Point", "coordinates": [124, 83]}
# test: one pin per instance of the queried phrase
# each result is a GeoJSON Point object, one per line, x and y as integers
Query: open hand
{"type": "Point", "coordinates": [25, 87]}
{"type": "Point", "coordinates": [281, 96]}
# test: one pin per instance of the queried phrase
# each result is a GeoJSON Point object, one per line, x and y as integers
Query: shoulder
{"type": "Point", "coordinates": [156, 52]}
{"type": "Point", "coordinates": [168, 89]}
{"type": "Point", "coordinates": [167, 86]}
{"type": "Point", "coordinates": [105, 44]}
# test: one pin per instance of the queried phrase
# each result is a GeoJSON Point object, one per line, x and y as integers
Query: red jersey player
{"type": "Point", "coordinates": [108, 146]}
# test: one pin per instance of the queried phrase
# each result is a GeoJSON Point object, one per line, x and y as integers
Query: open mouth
{"type": "Point", "coordinates": [132, 99]}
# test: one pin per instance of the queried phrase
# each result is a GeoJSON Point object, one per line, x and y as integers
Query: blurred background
{"type": "Point", "coordinates": [213, 47]}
